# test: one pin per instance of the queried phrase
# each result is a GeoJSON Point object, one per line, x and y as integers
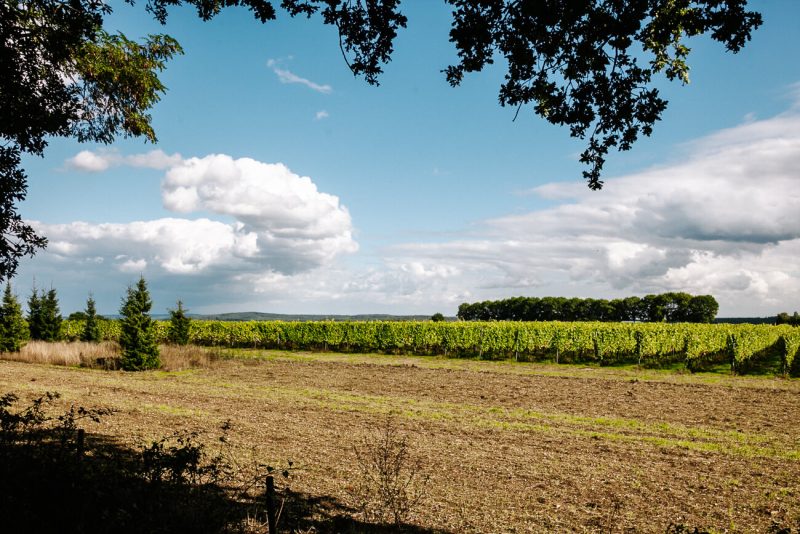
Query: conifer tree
{"type": "Point", "coordinates": [179, 325]}
{"type": "Point", "coordinates": [139, 347]}
{"type": "Point", "coordinates": [35, 314]}
{"type": "Point", "coordinates": [13, 327]}
{"type": "Point", "coordinates": [44, 315]}
{"type": "Point", "coordinates": [91, 329]}
{"type": "Point", "coordinates": [51, 316]}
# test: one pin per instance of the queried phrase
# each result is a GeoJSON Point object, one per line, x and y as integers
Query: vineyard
{"type": "Point", "coordinates": [696, 345]}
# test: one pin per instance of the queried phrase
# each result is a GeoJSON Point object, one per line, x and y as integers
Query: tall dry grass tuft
{"type": "Point", "coordinates": [75, 353]}
{"type": "Point", "coordinates": [179, 357]}
{"type": "Point", "coordinates": [106, 355]}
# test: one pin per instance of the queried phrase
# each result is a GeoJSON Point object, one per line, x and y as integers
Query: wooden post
{"type": "Point", "coordinates": [271, 520]}
{"type": "Point", "coordinates": [79, 444]}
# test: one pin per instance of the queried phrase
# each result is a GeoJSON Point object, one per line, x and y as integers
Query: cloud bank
{"type": "Point", "coordinates": [722, 219]}
{"type": "Point", "coordinates": [282, 222]}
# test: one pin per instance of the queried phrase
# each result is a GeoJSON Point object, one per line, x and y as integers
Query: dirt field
{"type": "Point", "coordinates": [509, 447]}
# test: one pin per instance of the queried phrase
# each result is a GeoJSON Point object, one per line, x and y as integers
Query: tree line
{"type": "Point", "coordinates": [666, 307]}
{"type": "Point", "coordinates": [137, 340]}
{"type": "Point", "coordinates": [785, 318]}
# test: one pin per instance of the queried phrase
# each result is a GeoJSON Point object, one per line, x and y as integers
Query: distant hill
{"type": "Point", "coordinates": [260, 316]}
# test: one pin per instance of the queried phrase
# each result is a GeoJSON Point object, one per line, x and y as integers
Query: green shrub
{"type": "Point", "coordinates": [179, 324]}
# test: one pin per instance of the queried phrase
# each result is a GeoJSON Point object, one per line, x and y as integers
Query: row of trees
{"type": "Point", "coordinates": [785, 318]}
{"type": "Point", "coordinates": [138, 341]}
{"type": "Point", "coordinates": [666, 307]}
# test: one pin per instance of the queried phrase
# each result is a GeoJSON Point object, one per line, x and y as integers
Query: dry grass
{"type": "Point", "coordinates": [106, 355]}
{"type": "Point", "coordinates": [180, 357]}
{"type": "Point", "coordinates": [506, 451]}
{"type": "Point", "coordinates": [73, 353]}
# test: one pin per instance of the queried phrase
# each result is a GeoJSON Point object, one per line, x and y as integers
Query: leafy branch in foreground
{"type": "Point", "coordinates": [582, 65]}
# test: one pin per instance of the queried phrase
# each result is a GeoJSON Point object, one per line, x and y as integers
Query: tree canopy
{"type": "Point", "coordinates": [585, 64]}
{"type": "Point", "coordinates": [669, 307]}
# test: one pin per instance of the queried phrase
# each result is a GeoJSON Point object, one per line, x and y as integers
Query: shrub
{"type": "Point", "coordinates": [56, 477]}
{"type": "Point", "coordinates": [138, 339]}
{"type": "Point", "coordinates": [391, 482]}
{"type": "Point", "coordinates": [179, 325]}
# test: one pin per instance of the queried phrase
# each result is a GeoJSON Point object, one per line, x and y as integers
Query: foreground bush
{"type": "Point", "coordinates": [54, 480]}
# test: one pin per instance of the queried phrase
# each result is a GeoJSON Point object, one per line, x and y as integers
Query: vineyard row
{"type": "Point", "coordinates": [653, 343]}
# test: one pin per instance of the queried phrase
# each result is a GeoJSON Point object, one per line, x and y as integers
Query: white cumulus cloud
{"type": "Point", "coordinates": [281, 222]}
{"type": "Point", "coordinates": [177, 246]}
{"type": "Point", "coordinates": [297, 226]}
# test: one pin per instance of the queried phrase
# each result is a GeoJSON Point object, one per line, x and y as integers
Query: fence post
{"type": "Point", "coordinates": [271, 520]}
{"type": "Point", "coordinates": [79, 445]}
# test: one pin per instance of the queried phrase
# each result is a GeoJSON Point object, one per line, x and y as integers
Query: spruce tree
{"type": "Point", "coordinates": [179, 325]}
{"type": "Point", "coordinates": [138, 340]}
{"type": "Point", "coordinates": [91, 329]}
{"type": "Point", "coordinates": [13, 327]}
{"type": "Point", "coordinates": [44, 315]}
{"type": "Point", "coordinates": [35, 314]}
{"type": "Point", "coordinates": [51, 316]}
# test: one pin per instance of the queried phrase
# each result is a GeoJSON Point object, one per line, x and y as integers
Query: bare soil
{"type": "Point", "coordinates": [509, 448]}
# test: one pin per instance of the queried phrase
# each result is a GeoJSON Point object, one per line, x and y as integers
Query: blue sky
{"type": "Point", "coordinates": [281, 183]}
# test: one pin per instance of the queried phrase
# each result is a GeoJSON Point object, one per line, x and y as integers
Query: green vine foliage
{"type": "Point", "coordinates": [602, 342]}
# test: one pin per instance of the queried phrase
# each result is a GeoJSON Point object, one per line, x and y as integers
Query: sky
{"type": "Point", "coordinates": [280, 183]}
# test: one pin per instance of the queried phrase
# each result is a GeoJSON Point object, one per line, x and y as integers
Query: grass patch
{"type": "Point", "coordinates": [726, 442]}
{"type": "Point", "coordinates": [675, 373]}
